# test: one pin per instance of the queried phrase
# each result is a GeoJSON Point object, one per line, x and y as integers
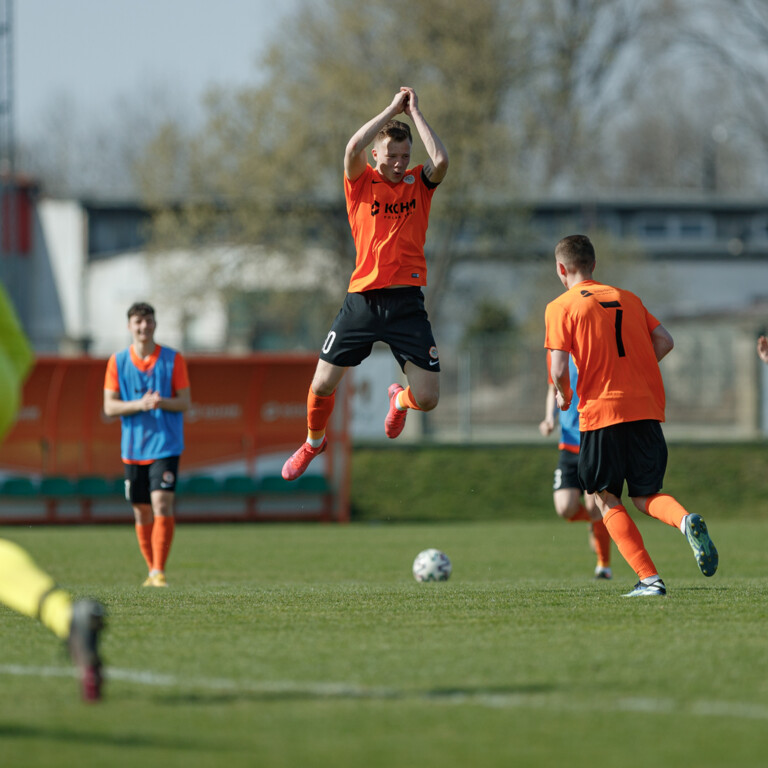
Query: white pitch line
{"type": "Point", "coordinates": [18, 670]}
{"type": "Point", "coordinates": [334, 690]}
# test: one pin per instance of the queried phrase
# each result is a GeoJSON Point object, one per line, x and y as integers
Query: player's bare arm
{"type": "Point", "coordinates": [114, 405]}
{"type": "Point", "coordinates": [762, 348]}
{"type": "Point", "coordinates": [179, 402]}
{"type": "Point", "coordinates": [355, 158]}
{"type": "Point", "coordinates": [437, 166]}
{"type": "Point", "coordinates": [547, 426]}
{"type": "Point", "coordinates": [561, 378]}
{"type": "Point", "coordinates": [662, 341]}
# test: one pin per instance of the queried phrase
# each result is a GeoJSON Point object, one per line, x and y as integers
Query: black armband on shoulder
{"type": "Point", "coordinates": [427, 183]}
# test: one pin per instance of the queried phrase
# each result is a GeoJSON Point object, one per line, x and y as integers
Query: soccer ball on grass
{"type": "Point", "coordinates": [431, 565]}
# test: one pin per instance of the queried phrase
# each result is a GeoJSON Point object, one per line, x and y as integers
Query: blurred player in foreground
{"type": "Point", "coordinates": [23, 586]}
{"type": "Point", "coordinates": [147, 386]}
{"type": "Point", "coordinates": [388, 208]}
{"type": "Point", "coordinates": [616, 345]}
{"type": "Point", "coordinates": [762, 349]}
{"type": "Point", "coordinates": [570, 503]}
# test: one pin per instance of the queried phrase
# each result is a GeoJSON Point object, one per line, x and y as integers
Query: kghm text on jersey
{"type": "Point", "coordinates": [394, 209]}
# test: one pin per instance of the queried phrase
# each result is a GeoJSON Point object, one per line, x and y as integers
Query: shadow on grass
{"type": "Point", "coordinates": [92, 738]}
{"type": "Point", "coordinates": [324, 692]}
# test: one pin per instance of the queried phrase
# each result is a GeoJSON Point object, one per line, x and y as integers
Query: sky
{"type": "Point", "coordinates": [96, 51]}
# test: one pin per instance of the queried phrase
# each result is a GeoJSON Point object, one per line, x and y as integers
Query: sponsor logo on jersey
{"type": "Point", "coordinates": [394, 210]}
{"type": "Point", "coordinates": [409, 179]}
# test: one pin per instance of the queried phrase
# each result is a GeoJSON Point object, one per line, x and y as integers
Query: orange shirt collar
{"type": "Point", "coordinates": [145, 364]}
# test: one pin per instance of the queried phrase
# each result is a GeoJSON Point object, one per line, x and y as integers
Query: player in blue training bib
{"type": "Point", "coordinates": [147, 386]}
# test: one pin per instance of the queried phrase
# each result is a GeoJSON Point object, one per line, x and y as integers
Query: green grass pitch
{"type": "Point", "coordinates": [312, 645]}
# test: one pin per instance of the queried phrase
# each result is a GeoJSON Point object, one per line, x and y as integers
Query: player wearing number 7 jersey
{"type": "Point", "coordinates": [617, 345]}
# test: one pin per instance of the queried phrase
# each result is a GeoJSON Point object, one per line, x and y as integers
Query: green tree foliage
{"type": "Point", "coordinates": [267, 167]}
{"type": "Point", "coordinates": [490, 319]}
{"type": "Point", "coordinates": [510, 86]}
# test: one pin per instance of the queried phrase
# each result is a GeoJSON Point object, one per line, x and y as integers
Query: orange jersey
{"type": "Point", "coordinates": [389, 226]}
{"type": "Point", "coordinates": [607, 331]}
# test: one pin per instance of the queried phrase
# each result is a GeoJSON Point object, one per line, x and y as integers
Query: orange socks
{"type": "Point", "coordinates": [319, 410]}
{"type": "Point", "coordinates": [664, 507]}
{"type": "Point", "coordinates": [581, 515]}
{"type": "Point", "coordinates": [162, 536]}
{"type": "Point", "coordinates": [406, 398]}
{"type": "Point", "coordinates": [629, 542]}
{"type": "Point", "coordinates": [600, 536]}
{"type": "Point", "coordinates": [602, 540]}
{"type": "Point", "coordinates": [144, 535]}
{"type": "Point", "coordinates": [155, 541]}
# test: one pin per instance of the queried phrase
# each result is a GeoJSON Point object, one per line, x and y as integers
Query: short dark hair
{"type": "Point", "coordinates": [395, 130]}
{"type": "Point", "coordinates": [576, 252]}
{"type": "Point", "coordinates": [140, 308]}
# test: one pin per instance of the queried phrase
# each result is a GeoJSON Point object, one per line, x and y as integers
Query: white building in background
{"type": "Point", "coordinates": [87, 265]}
{"type": "Point", "coordinates": [84, 263]}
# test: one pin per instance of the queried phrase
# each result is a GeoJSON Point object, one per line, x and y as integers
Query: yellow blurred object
{"type": "Point", "coordinates": [16, 360]}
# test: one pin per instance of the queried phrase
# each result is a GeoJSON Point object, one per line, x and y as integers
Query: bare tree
{"type": "Point", "coordinates": [529, 96]}
{"type": "Point", "coordinates": [727, 43]}
{"type": "Point", "coordinates": [669, 141]}
{"type": "Point", "coordinates": [270, 158]}
{"type": "Point", "coordinates": [586, 61]}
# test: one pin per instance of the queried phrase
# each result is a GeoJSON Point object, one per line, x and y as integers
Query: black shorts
{"type": "Point", "coordinates": [142, 479]}
{"type": "Point", "coordinates": [567, 472]}
{"type": "Point", "coordinates": [635, 451]}
{"type": "Point", "coordinates": [395, 316]}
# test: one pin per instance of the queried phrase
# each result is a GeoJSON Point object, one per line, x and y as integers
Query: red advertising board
{"type": "Point", "coordinates": [248, 414]}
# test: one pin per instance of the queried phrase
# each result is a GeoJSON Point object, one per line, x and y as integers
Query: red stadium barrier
{"type": "Point", "coordinates": [248, 414]}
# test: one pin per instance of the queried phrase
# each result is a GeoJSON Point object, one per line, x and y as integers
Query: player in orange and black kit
{"type": "Point", "coordinates": [616, 345]}
{"type": "Point", "coordinates": [388, 208]}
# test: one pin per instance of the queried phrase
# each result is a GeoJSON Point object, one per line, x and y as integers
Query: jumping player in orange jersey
{"type": "Point", "coordinates": [388, 208]}
{"type": "Point", "coordinates": [147, 386]}
{"type": "Point", "coordinates": [617, 345]}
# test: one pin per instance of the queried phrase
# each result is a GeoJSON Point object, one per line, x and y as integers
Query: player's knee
{"type": "Point", "coordinates": [427, 400]}
{"type": "Point", "coordinates": [326, 378]}
{"type": "Point", "coordinates": [162, 505]}
{"type": "Point", "coordinates": [567, 512]}
{"type": "Point", "coordinates": [322, 386]}
{"type": "Point", "coordinates": [567, 504]}
{"type": "Point", "coordinates": [142, 514]}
